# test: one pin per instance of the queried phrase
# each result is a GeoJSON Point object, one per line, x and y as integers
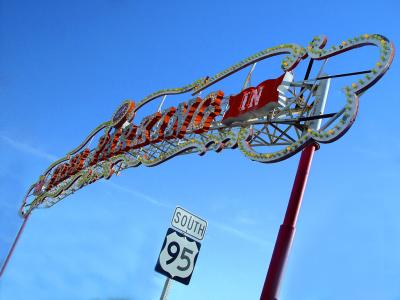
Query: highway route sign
{"type": "Point", "coordinates": [178, 256]}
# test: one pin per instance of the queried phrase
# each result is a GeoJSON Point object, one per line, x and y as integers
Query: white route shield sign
{"type": "Point", "coordinates": [178, 256]}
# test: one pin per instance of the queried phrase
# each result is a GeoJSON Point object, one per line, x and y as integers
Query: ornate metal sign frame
{"type": "Point", "coordinates": [267, 123]}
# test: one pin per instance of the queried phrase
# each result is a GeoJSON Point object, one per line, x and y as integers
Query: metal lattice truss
{"type": "Point", "coordinates": [276, 135]}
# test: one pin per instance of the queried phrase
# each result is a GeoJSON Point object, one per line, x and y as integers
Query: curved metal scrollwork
{"type": "Point", "coordinates": [268, 131]}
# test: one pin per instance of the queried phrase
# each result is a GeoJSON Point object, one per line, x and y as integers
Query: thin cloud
{"type": "Point", "coordinates": [220, 226]}
{"type": "Point", "coordinates": [26, 148]}
{"type": "Point", "coordinates": [242, 235]}
{"type": "Point", "coordinates": [137, 194]}
{"type": "Point", "coordinates": [246, 220]}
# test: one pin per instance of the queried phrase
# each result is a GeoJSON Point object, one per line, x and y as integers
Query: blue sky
{"type": "Point", "coordinates": [67, 65]}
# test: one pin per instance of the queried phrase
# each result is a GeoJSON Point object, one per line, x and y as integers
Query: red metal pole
{"type": "Point", "coordinates": [21, 229]}
{"type": "Point", "coordinates": [287, 229]}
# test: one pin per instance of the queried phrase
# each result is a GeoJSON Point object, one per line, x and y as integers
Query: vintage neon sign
{"type": "Point", "coordinates": [268, 122]}
{"type": "Point", "coordinates": [195, 116]}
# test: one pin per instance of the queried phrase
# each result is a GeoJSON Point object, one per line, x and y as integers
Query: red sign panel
{"type": "Point", "coordinates": [253, 101]}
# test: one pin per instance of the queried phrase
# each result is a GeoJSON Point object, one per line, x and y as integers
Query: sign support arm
{"type": "Point", "coordinates": [287, 229]}
{"type": "Point", "coordinates": [21, 229]}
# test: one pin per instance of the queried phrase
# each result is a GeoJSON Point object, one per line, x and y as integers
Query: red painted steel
{"type": "Point", "coordinates": [21, 229]}
{"type": "Point", "coordinates": [253, 99]}
{"type": "Point", "coordinates": [287, 229]}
